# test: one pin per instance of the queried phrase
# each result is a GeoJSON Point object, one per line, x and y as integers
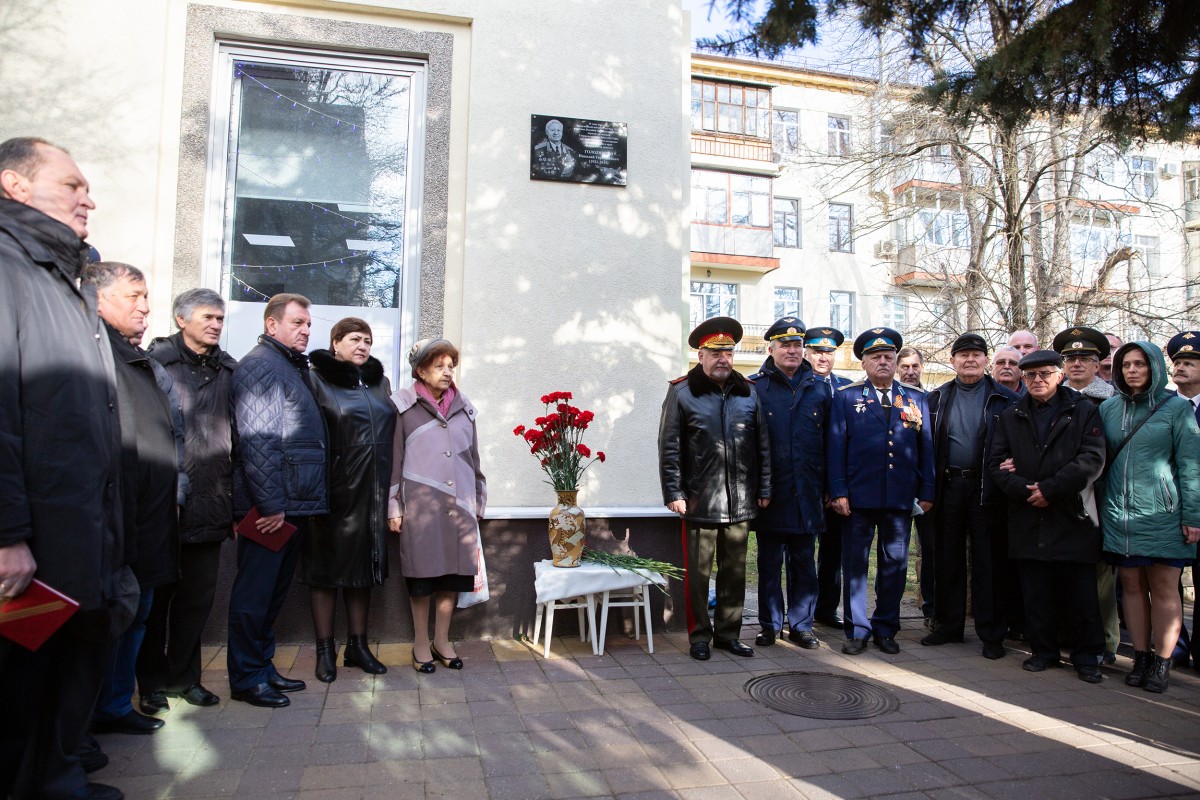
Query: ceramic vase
{"type": "Point", "coordinates": [567, 531]}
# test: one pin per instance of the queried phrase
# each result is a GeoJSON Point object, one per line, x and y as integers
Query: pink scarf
{"type": "Point", "coordinates": [443, 405]}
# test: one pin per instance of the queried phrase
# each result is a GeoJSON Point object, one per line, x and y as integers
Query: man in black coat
{"type": "Point", "coordinates": [152, 486]}
{"type": "Point", "coordinates": [169, 664]}
{"type": "Point", "coordinates": [60, 450]}
{"type": "Point", "coordinates": [715, 467]}
{"type": "Point", "coordinates": [968, 512]}
{"type": "Point", "coordinates": [1046, 453]}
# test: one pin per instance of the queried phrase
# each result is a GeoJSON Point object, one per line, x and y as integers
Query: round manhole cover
{"type": "Point", "coordinates": [820, 695]}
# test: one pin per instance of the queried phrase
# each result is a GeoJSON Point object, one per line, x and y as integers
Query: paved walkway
{"type": "Point", "coordinates": [634, 725]}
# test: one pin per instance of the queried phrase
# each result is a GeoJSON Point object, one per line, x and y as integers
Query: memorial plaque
{"type": "Point", "coordinates": [577, 150]}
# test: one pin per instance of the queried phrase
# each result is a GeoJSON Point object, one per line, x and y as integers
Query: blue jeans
{"type": "Point", "coordinates": [890, 571]}
{"type": "Point", "coordinates": [116, 692]}
{"type": "Point", "coordinates": [775, 550]}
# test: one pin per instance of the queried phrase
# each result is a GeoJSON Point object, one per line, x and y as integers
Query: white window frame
{"type": "Point", "coordinates": [841, 244]}
{"type": "Point", "coordinates": [838, 128]}
{"type": "Point", "coordinates": [847, 325]}
{"type": "Point", "coordinates": [724, 297]}
{"type": "Point", "coordinates": [1143, 174]}
{"type": "Point", "coordinates": [1150, 254]}
{"type": "Point", "coordinates": [784, 207]}
{"type": "Point", "coordinates": [219, 185]}
{"type": "Point", "coordinates": [785, 130]}
{"type": "Point", "coordinates": [781, 304]}
{"type": "Point", "coordinates": [895, 311]}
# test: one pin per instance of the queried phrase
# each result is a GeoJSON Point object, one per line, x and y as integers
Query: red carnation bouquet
{"type": "Point", "coordinates": [556, 440]}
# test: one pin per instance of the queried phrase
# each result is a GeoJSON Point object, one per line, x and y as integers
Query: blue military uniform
{"type": "Point", "coordinates": [797, 414]}
{"type": "Point", "coordinates": [880, 457]}
{"type": "Point", "coordinates": [1187, 345]}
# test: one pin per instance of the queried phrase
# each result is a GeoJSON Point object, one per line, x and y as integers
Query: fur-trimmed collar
{"type": "Point", "coordinates": [701, 384]}
{"type": "Point", "coordinates": [345, 373]}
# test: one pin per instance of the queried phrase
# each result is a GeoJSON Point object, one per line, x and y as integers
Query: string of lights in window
{"type": "Point", "coordinates": [295, 103]}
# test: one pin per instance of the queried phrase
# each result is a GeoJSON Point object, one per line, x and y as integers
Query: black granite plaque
{"type": "Point", "coordinates": [577, 150]}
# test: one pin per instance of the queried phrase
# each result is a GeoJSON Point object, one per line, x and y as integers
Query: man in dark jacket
{"type": "Point", "coordinates": [880, 461]}
{"type": "Point", "coordinates": [60, 449]}
{"type": "Point", "coordinates": [967, 510]}
{"type": "Point", "coordinates": [796, 405]}
{"type": "Point", "coordinates": [152, 455]}
{"type": "Point", "coordinates": [715, 467]}
{"type": "Point", "coordinates": [169, 664]}
{"type": "Point", "coordinates": [1046, 453]}
{"type": "Point", "coordinates": [279, 471]}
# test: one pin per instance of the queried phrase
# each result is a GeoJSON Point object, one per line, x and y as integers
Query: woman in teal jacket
{"type": "Point", "coordinates": [1151, 512]}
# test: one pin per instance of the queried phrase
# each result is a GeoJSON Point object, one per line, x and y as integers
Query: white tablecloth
{"type": "Point", "coordinates": [556, 583]}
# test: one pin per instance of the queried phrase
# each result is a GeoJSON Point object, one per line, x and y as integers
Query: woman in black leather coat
{"type": "Point", "coordinates": [347, 548]}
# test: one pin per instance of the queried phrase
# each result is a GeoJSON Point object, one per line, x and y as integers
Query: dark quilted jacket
{"type": "Point", "coordinates": [280, 439]}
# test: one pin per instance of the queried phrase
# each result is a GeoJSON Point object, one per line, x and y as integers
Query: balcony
{"type": "Point", "coordinates": [733, 247]}
{"type": "Point", "coordinates": [922, 264]}
{"type": "Point", "coordinates": [1191, 215]}
{"type": "Point", "coordinates": [729, 151]}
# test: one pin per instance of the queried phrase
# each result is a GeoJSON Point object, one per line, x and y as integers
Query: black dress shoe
{"type": "Point", "coordinates": [735, 647]}
{"type": "Point", "coordinates": [829, 620]}
{"type": "Point", "coordinates": [853, 647]}
{"type": "Point", "coordinates": [939, 638]}
{"type": "Point", "coordinates": [805, 639]}
{"type": "Point", "coordinates": [1089, 673]}
{"type": "Point", "coordinates": [700, 651]}
{"type": "Point", "coordinates": [99, 791]}
{"type": "Point", "coordinates": [282, 684]}
{"type": "Point", "coordinates": [993, 650]}
{"type": "Point", "coordinates": [153, 702]}
{"type": "Point", "coordinates": [133, 722]}
{"type": "Point", "coordinates": [766, 638]}
{"type": "Point", "coordinates": [887, 644]}
{"type": "Point", "coordinates": [197, 695]}
{"type": "Point", "coordinates": [1037, 663]}
{"type": "Point", "coordinates": [263, 695]}
{"type": "Point", "coordinates": [90, 755]}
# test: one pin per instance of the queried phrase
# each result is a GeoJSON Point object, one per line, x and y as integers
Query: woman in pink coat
{"type": "Point", "coordinates": [437, 497]}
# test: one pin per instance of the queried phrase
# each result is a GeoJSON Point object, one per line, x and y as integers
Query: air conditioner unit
{"type": "Point", "coordinates": [885, 249]}
{"type": "Point", "coordinates": [1168, 171]}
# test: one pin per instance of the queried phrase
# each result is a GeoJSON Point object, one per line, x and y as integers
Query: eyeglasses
{"type": "Point", "coordinates": [1081, 358]}
{"type": "Point", "coordinates": [1041, 375]}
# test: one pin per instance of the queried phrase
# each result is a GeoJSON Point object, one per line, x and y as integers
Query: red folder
{"type": "Point", "coordinates": [248, 527]}
{"type": "Point", "coordinates": [29, 620]}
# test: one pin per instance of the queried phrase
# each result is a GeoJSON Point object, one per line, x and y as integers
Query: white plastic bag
{"type": "Point", "coordinates": [480, 594]}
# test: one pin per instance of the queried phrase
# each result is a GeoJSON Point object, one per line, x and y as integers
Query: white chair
{"type": "Point", "coordinates": [586, 606]}
{"type": "Point", "coordinates": [635, 597]}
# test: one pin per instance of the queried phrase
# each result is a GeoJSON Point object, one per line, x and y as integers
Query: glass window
{"type": "Point", "coordinates": [785, 131]}
{"type": "Point", "coordinates": [1143, 173]}
{"type": "Point", "coordinates": [1191, 180]}
{"type": "Point", "coordinates": [841, 218]}
{"type": "Point", "coordinates": [895, 312]}
{"type": "Point", "coordinates": [839, 136]}
{"type": "Point", "coordinates": [887, 138]}
{"type": "Point", "coordinates": [712, 300]}
{"type": "Point", "coordinates": [1101, 165]}
{"type": "Point", "coordinates": [787, 302]}
{"type": "Point", "coordinates": [942, 323]}
{"type": "Point", "coordinates": [730, 108]}
{"type": "Point", "coordinates": [710, 196]}
{"type": "Point", "coordinates": [317, 183]}
{"type": "Point", "coordinates": [751, 200]}
{"type": "Point", "coordinates": [1147, 248]}
{"type": "Point", "coordinates": [943, 228]}
{"type": "Point", "coordinates": [841, 313]}
{"type": "Point", "coordinates": [787, 222]}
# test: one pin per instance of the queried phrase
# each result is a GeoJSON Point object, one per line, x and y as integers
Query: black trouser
{"type": "Point", "coordinates": [170, 656]}
{"type": "Point", "coordinates": [964, 522]}
{"type": "Point", "coordinates": [46, 700]}
{"type": "Point", "coordinates": [927, 577]}
{"type": "Point", "coordinates": [1061, 596]}
{"type": "Point", "coordinates": [829, 566]}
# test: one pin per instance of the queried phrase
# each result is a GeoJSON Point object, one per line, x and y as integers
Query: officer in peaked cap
{"type": "Point", "coordinates": [1082, 350]}
{"type": "Point", "coordinates": [880, 462]}
{"type": "Point", "coordinates": [796, 405]}
{"type": "Point", "coordinates": [714, 459]}
{"type": "Point", "coordinates": [824, 340]}
{"type": "Point", "coordinates": [1184, 345]}
{"type": "Point", "coordinates": [1184, 352]}
{"type": "Point", "coordinates": [876, 339]}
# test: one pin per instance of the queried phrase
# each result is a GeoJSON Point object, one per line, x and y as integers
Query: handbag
{"type": "Point", "coordinates": [480, 592]}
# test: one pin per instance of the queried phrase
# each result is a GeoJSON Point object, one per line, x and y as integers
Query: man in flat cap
{"type": "Point", "coordinates": [1184, 352]}
{"type": "Point", "coordinates": [820, 345]}
{"type": "Point", "coordinates": [1082, 350]}
{"type": "Point", "coordinates": [1046, 454]}
{"type": "Point", "coordinates": [969, 512]}
{"type": "Point", "coordinates": [715, 467]}
{"type": "Point", "coordinates": [796, 405]}
{"type": "Point", "coordinates": [880, 464]}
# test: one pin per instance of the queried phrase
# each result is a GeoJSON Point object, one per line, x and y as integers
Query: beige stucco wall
{"type": "Point", "coordinates": [546, 286]}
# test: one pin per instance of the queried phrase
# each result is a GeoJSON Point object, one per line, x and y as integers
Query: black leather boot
{"type": "Point", "coordinates": [1141, 663]}
{"type": "Point", "coordinates": [1158, 676]}
{"type": "Point", "coordinates": [326, 660]}
{"type": "Point", "coordinates": [358, 655]}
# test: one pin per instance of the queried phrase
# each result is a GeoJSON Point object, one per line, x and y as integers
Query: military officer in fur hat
{"type": "Point", "coordinates": [880, 462]}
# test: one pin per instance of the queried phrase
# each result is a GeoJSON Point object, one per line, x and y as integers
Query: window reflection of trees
{"type": "Point", "coordinates": [321, 158]}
